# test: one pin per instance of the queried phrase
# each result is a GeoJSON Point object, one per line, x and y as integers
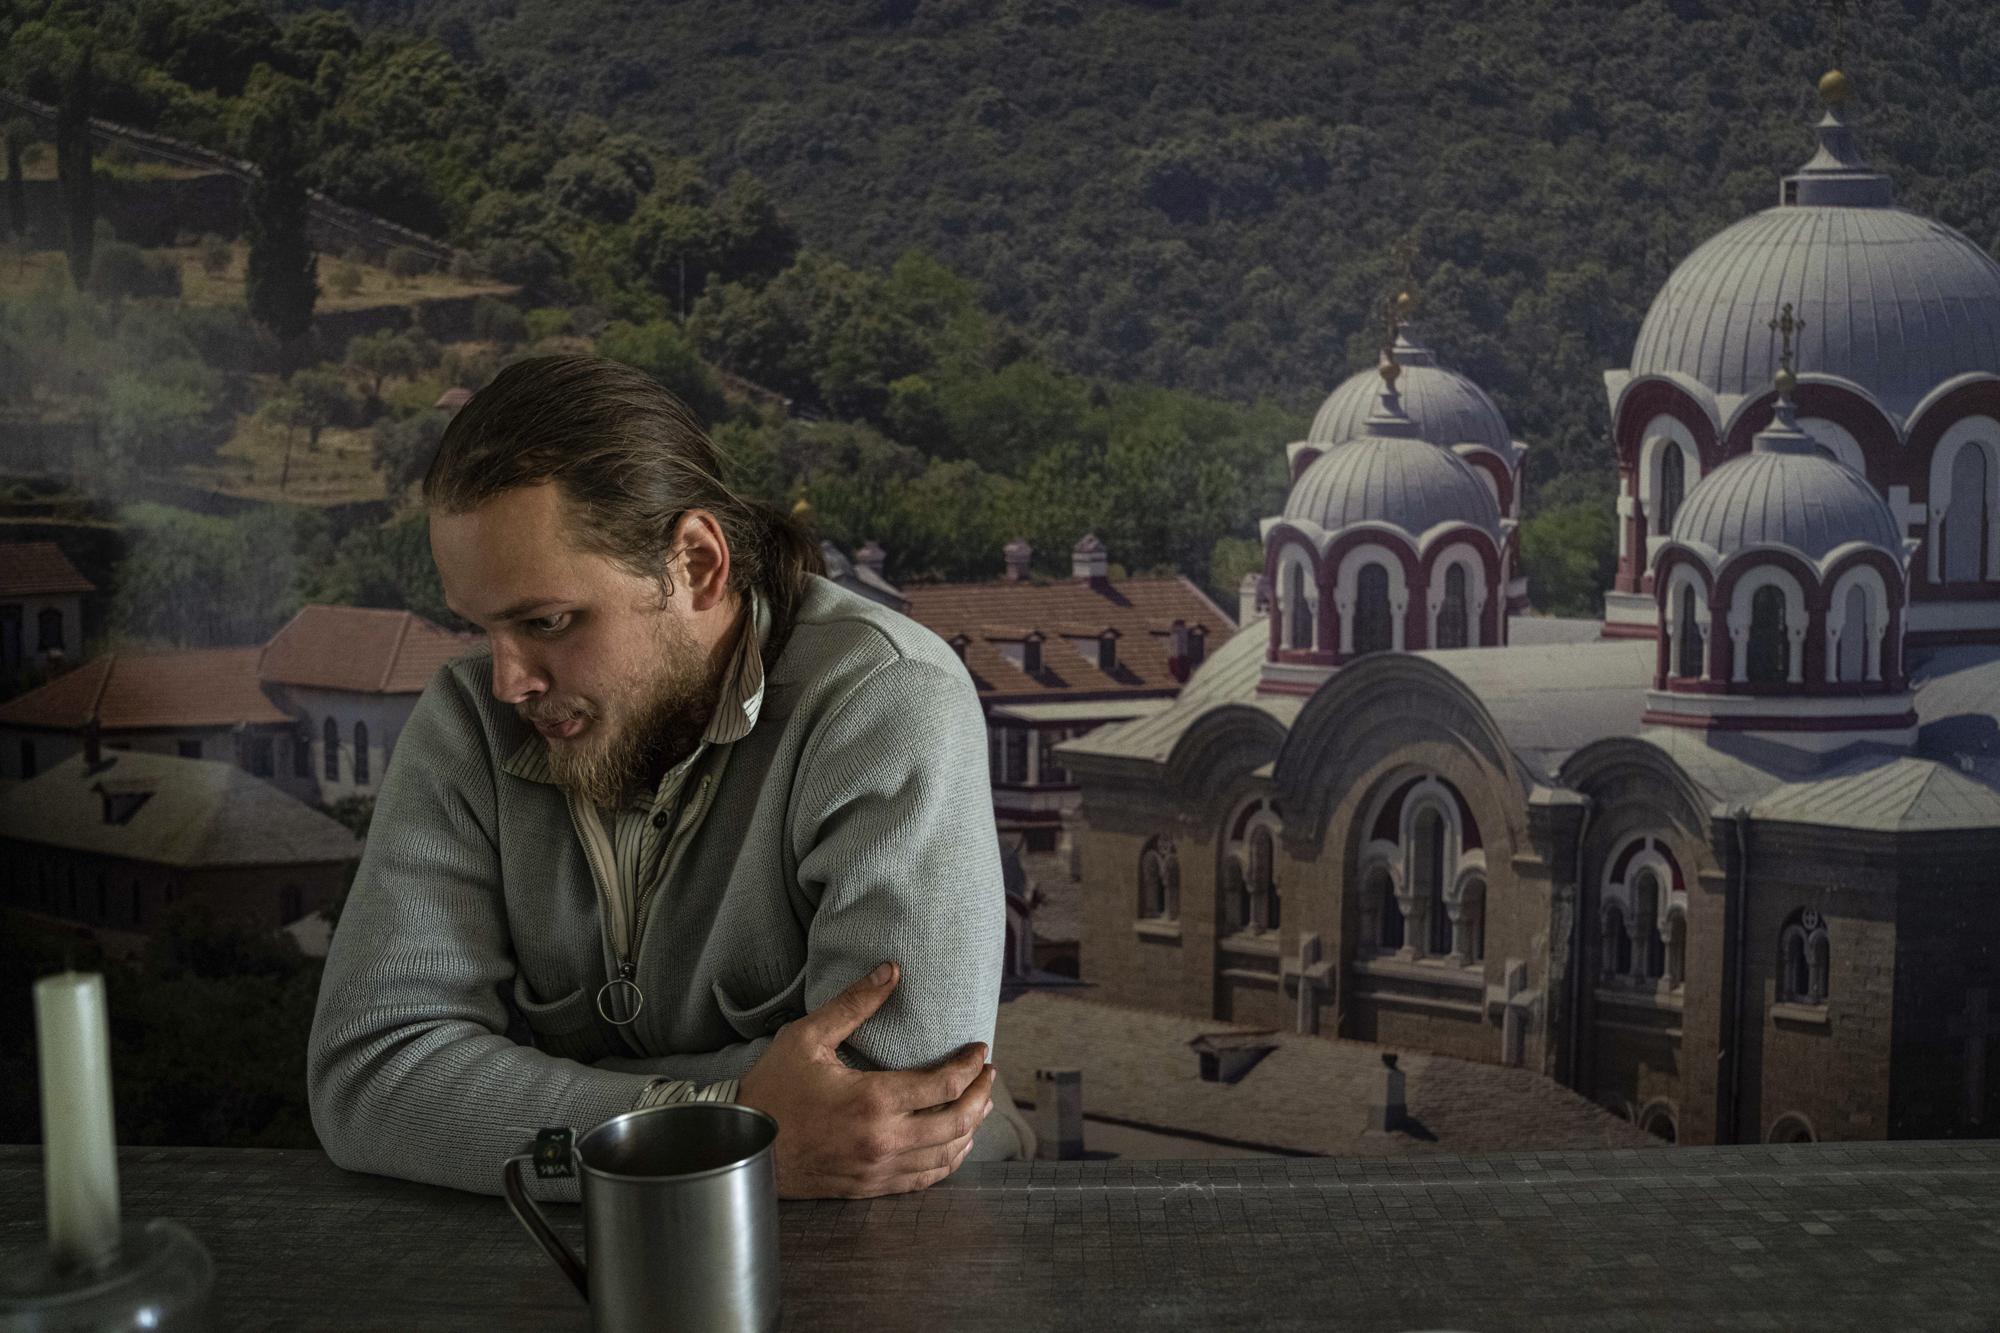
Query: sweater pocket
{"type": "Point", "coordinates": [566, 1027]}
{"type": "Point", "coordinates": [765, 1016]}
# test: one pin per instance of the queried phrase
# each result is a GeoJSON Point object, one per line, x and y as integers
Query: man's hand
{"type": "Point", "coordinates": [843, 1133]}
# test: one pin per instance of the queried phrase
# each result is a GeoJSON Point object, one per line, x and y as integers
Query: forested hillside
{"type": "Point", "coordinates": [1204, 194]}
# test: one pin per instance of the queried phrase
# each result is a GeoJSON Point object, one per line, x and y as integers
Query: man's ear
{"type": "Point", "coordinates": [703, 554]}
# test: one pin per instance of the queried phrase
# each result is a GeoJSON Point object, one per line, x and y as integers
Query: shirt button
{"type": "Point", "coordinates": [659, 819]}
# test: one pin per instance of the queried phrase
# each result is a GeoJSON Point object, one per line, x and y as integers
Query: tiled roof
{"type": "Point", "coordinates": [199, 687]}
{"type": "Point", "coordinates": [1228, 676]}
{"type": "Point", "coordinates": [196, 812]}
{"type": "Point", "coordinates": [359, 649]}
{"type": "Point", "coordinates": [1140, 609]}
{"type": "Point", "coordinates": [1310, 1094]}
{"type": "Point", "coordinates": [1887, 794]}
{"type": "Point", "coordinates": [1548, 698]}
{"type": "Point", "coordinates": [38, 569]}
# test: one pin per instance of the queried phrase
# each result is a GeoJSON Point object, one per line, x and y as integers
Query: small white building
{"type": "Point", "coordinates": [315, 711]}
{"type": "Point", "coordinates": [41, 607]}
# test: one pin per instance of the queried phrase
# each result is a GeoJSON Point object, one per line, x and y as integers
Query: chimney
{"type": "Point", "coordinates": [1017, 554]}
{"type": "Point", "coordinates": [1387, 1108]}
{"type": "Point", "coordinates": [1059, 1113]}
{"type": "Point", "coordinates": [1089, 560]}
{"type": "Point", "coordinates": [872, 557]}
{"type": "Point", "coordinates": [1249, 598]}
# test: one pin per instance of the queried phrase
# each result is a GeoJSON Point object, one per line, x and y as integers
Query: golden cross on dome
{"type": "Point", "coordinates": [1785, 326]}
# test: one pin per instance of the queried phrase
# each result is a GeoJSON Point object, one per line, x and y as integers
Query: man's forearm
{"type": "Point", "coordinates": [699, 1067]}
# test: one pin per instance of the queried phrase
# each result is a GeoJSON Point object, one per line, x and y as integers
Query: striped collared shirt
{"type": "Point", "coordinates": [642, 833]}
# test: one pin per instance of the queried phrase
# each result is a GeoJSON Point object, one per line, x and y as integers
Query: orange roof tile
{"type": "Point", "coordinates": [198, 687]}
{"type": "Point", "coordinates": [1141, 609]}
{"type": "Point", "coordinates": [359, 648]}
{"type": "Point", "coordinates": [38, 569]}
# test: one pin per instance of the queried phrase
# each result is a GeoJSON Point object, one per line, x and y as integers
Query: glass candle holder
{"type": "Point", "coordinates": [159, 1283]}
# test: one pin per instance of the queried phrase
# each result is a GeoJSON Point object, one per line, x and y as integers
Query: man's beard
{"type": "Point", "coordinates": [656, 720]}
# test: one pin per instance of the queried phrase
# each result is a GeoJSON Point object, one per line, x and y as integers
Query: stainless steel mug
{"type": "Point", "coordinates": [680, 1216]}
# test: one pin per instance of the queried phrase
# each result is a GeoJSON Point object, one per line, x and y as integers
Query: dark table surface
{"type": "Point", "coordinates": [1822, 1236]}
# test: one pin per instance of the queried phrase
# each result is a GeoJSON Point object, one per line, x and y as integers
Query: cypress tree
{"type": "Point", "coordinates": [281, 272]}
{"type": "Point", "coordinates": [73, 167]}
{"type": "Point", "coordinates": [17, 192]}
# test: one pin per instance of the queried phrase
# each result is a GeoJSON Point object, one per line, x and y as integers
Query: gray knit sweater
{"type": "Point", "coordinates": [852, 823]}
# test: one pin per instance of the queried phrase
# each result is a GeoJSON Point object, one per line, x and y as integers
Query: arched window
{"type": "Point", "coordinates": [1770, 656]}
{"type": "Point", "coordinates": [1454, 622]}
{"type": "Point", "coordinates": [1263, 888]}
{"type": "Point", "coordinates": [49, 631]}
{"type": "Point", "coordinates": [1854, 635]}
{"type": "Point", "coordinates": [1688, 640]}
{"type": "Point", "coordinates": [360, 753]}
{"type": "Point", "coordinates": [1615, 946]}
{"type": "Point", "coordinates": [330, 748]}
{"type": "Point", "coordinates": [1676, 949]}
{"type": "Point", "coordinates": [1374, 629]}
{"type": "Point", "coordinates": [1298, 611]}
{"type": "Point", "coordinates": [1966, 522]}
{"type": "Point", "coordinates": [1646, 919]}
{"type": "Point", "coordinates": [1235, 896]}
{"type": "Point", "coordinates": [1428, 887]}
{"type": "Point", "coordinates": [1382, 917]}
{"type": "Point", "coordinates": [1673, 485]}
{"type": "Point", "coordinates": [1249, 889]}
{"type": "Point", "coordinates": [1803, 958]}
{"type": "Point", "coordinates": [1159, 882]}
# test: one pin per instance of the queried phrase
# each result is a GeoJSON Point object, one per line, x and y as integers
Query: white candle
{"type": "Point", "coordinates": [79, 1149]}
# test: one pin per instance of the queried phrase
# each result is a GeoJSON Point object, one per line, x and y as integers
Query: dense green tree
{"type": "Point", "coordinates": [386, 565]}
{"type": "Point", "coordinates": [324, 400]}
{"type": "Point", "coordinates": [382, 355]}
{"type": "Point", "coordinates": [194, 580]}
{"type": "Point", "coordinates": [19, 133]}
{"type": "Point", "coordinates": [281, 273]}
{"type": "Point", "coordinates": [1569, 553]}
{"type": "Point", "coordinates": [664, 351]}
{"type": "Point", "coordinates": [403, 448]}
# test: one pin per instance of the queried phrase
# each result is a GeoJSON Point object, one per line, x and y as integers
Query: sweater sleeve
{"type": "Point", "coordinates": [892, 825]}
{"type": "Point", "coordinates": [409, 1070]}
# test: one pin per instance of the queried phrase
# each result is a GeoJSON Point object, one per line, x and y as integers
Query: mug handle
{"type": "Point", "coordinates": [550, 1154]}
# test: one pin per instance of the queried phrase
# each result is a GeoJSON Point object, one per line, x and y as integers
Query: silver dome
{"type": "Point", "coordinates": [1392, 475]}
{"type": "Point", "coordinates": [1786, 492]}
{"type": "Point", "coordinates": [1892, 301]}
{"type": "Point", "coordinates": [1447, 407]}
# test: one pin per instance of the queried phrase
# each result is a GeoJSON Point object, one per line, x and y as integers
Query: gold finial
{"type": "Point", "coordinates": [1786, 381]}
{"type": "Point", "coordinates": [1390, 370]}
{"type": "Point", "coordinates": [801, 508]}
{"type": "Point", "coordinates": [1834, 88]}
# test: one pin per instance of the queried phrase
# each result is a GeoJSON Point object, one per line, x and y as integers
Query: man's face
{"type": "Point", "coordinates": [616, 683]}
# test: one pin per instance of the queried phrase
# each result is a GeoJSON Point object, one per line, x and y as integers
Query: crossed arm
{"type": "Point", "coordinates": [409, 1068]}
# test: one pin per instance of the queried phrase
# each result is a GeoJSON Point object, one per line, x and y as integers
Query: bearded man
{"type": "Point", "coordinates": [696, 824]}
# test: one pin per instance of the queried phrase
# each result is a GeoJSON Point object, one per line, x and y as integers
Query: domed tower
{"type": "Point", "coordinates": [1448, 409]}
{"type": "Point", "coordinates": [1901, 335]}
{"type": "Point", "coordinates": [1780, 598]}
{"type": "Point", "coordinates": [1388, 542]}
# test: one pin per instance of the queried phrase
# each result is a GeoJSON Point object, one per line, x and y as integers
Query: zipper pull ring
{"type": "Point", "coordinates": [637, 998]}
